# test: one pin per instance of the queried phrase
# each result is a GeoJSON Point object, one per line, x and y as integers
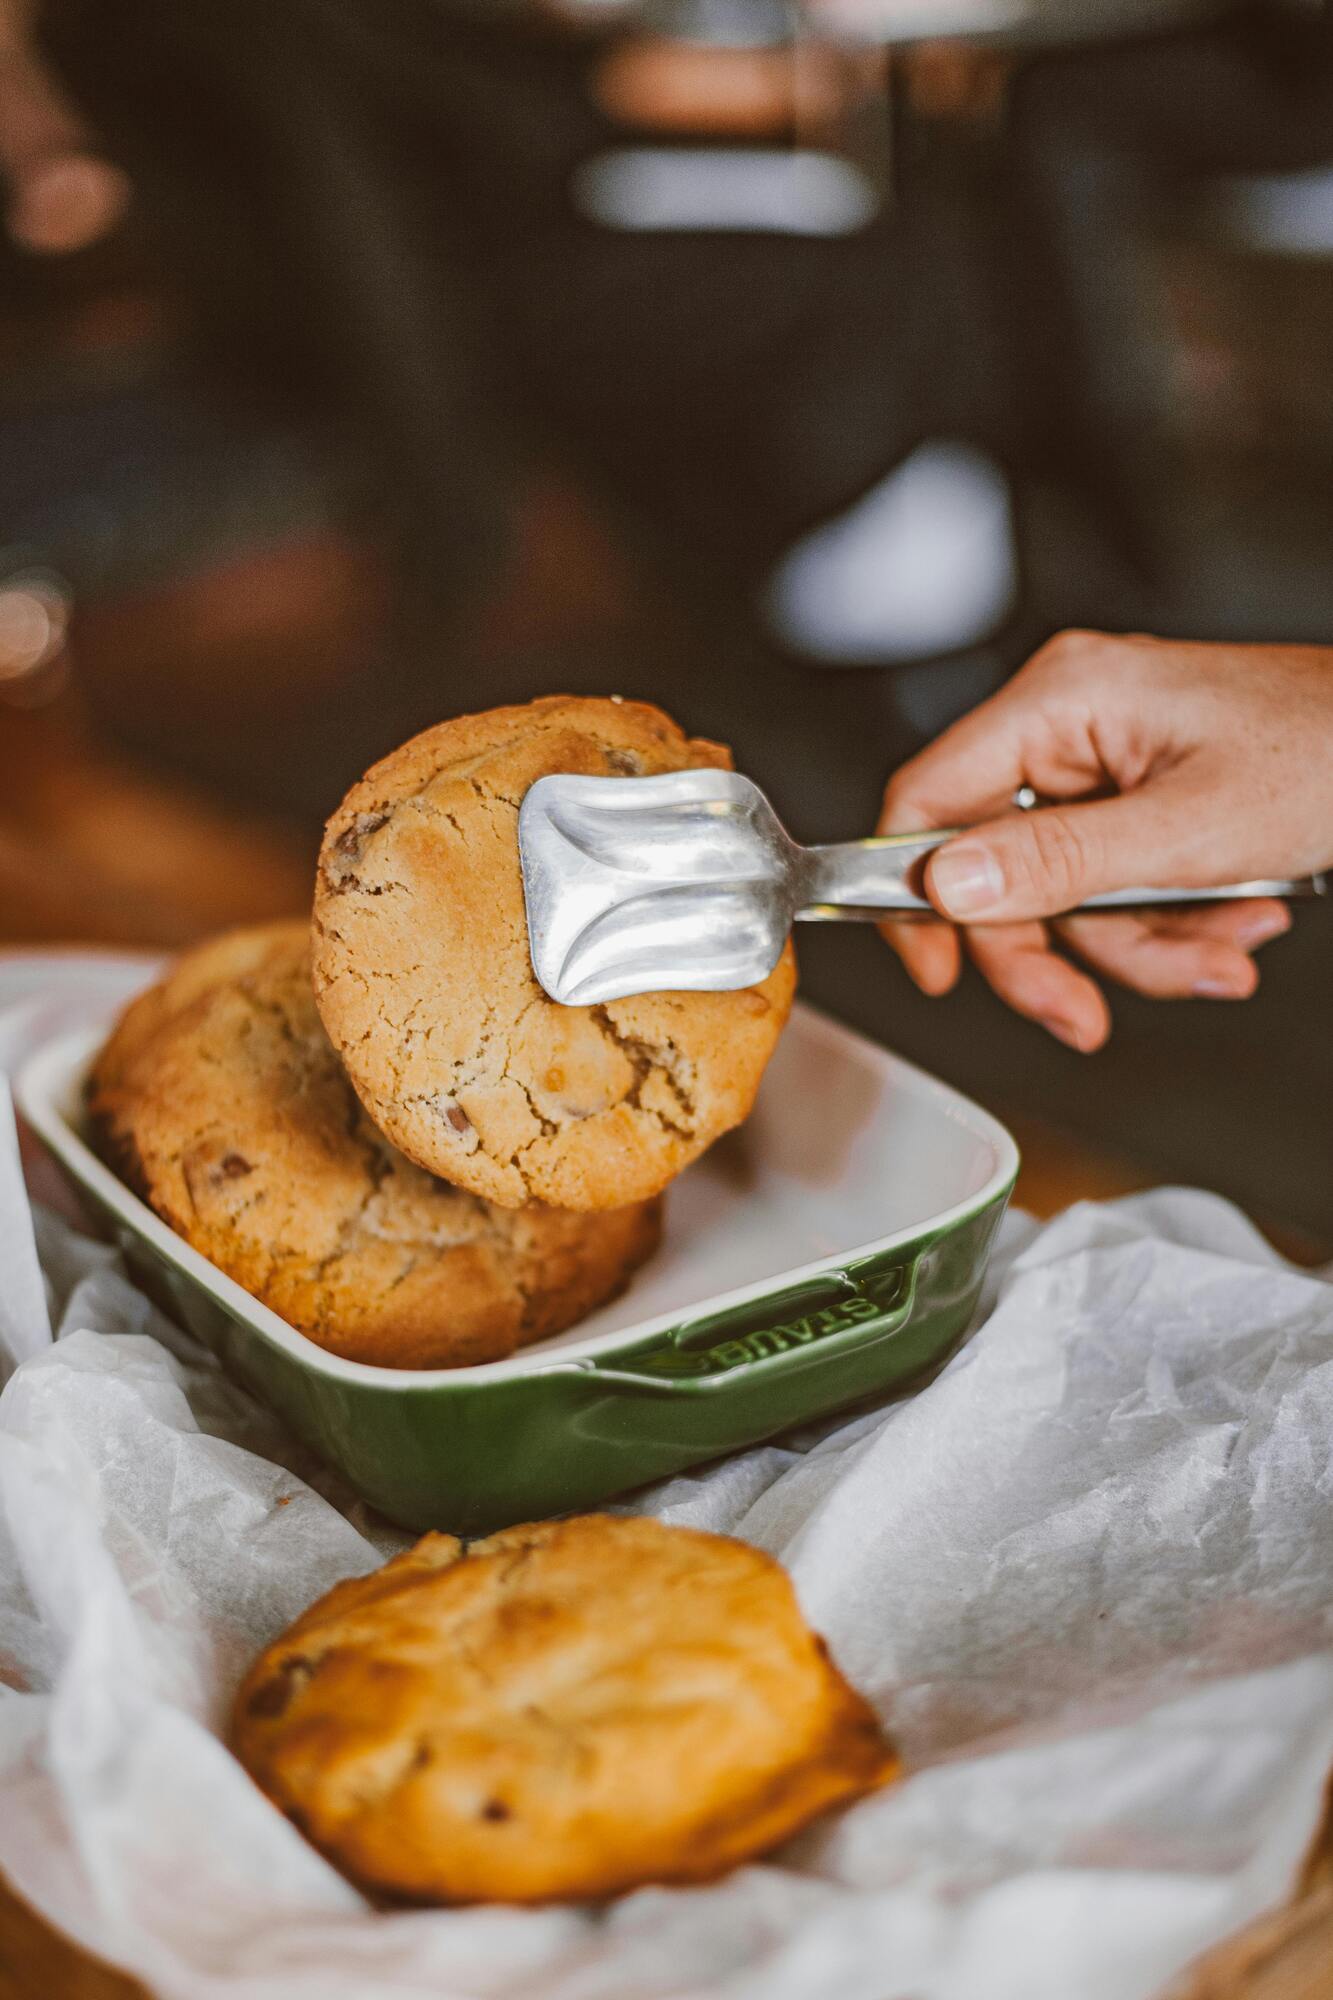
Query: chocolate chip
{"type": "Point", "coordinates": [457, 1119]}
{"type": "Point", "coordinates": [348, 848]}
{"type": "Point", "coordinates": [495, 1809]}
{"type": "Point", "coordinates": [270, 1698]}
{"type": "Point", "coordinates": [627, 762]}
{"type": "Point", "coordinates": [354, 837]}
{"type": "Point", "coordinates": [233, 1167]}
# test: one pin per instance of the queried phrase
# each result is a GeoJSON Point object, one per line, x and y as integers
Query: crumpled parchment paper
{"type": "Point", "coordinates": [1087, 1576]}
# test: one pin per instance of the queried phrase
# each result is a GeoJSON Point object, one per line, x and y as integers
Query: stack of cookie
{"type": "Point", "coordinates": [381, 1126]}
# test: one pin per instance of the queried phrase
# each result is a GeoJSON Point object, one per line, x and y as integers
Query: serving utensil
{"type": "Point", "coordinates": [690, 882]}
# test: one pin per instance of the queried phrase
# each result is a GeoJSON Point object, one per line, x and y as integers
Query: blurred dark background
{"type": "Point", "coordinates": [800, 368]}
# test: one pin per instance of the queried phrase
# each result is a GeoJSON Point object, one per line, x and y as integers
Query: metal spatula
{"type": "Point", "coordinates": [690, 882]}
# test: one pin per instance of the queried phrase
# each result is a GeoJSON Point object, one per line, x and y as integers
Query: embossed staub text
{"type": "Point", "coordinates": [876, 1294]}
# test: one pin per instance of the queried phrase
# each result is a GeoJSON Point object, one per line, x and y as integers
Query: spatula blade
{"type": "Point", "coordinates": [633, 885]}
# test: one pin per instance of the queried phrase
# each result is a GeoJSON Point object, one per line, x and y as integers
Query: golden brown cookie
{"type": "Point", "coordinates": [563, 1711]}
{"type": "Point", "coordinates": [219, 1099]}
{"type": "Point", "coordinates": [426, 987]}
{"type": "Point", "coordinates": [217, 961]}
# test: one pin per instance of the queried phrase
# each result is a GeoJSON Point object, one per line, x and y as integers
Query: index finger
{"type": "Point", "coordinates": [969, 773]}
{"type": "Point", "coordinates": [930, 952]}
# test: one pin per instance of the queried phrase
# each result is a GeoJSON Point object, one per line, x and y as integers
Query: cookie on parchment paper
{"type": "Point", "coordinates": [425, 983]}
{"type": "Point", "coordinates": [219, 1099]}
{"type": "Point", "coordinates": [560, 1712]}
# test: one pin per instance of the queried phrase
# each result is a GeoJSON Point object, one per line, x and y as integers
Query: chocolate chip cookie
{"type": "Point", "coordinates": [562, 1711]}
{"type": "Point", "coordinates": [221, 1102]}
{"type": "Point", "coordinates": [425, 984]}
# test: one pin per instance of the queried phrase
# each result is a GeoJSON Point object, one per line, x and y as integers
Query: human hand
{"type": "Point", "coordinates": [58, 195]}
{"type": "Point", "coordinates": [1185, 765]}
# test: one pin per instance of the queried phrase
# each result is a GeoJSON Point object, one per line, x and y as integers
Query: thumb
{"type": "Point", "coordinates": [1037, 864]}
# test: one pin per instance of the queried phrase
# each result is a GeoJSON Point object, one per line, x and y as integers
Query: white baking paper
{"type": "Point", "coordinates": [1086, 1577]}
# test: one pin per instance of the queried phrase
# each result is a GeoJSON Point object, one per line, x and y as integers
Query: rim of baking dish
{"type": "Point", "coordinates": [45, 1081]}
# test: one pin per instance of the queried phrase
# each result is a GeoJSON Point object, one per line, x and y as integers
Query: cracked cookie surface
{"type": "Point", "coordinates": [425, 984]}
{"type": "Point", "coordinates": [563, 1711]}
{"type": "Point", "coordinates": [220, 1100]}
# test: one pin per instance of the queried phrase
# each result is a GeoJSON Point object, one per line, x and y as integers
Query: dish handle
{"type": "Point", "coordinates": [820, 1321]}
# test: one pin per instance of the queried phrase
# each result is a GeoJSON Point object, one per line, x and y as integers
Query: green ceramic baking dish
{"type": "Point", "coordinates": [831, 1251]}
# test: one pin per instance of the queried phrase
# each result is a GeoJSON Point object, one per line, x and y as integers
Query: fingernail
{"type": "Point", "coordinates": [1220, 989]}
{"type": "Point", "coordinates": [1260, 928]}
{"type": "Point", "coordinates": [1064, 1031]}
{"type": "Point", "coordinates": [966, 879]}
{"type": "Point", "coordinates": [934, 983]}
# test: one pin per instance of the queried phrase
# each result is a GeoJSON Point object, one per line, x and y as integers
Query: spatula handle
{"type": "Point", "coordinates": [863, 881]}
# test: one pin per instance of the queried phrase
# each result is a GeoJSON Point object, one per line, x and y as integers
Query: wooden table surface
{"type": "Point", "coordinates": [178, 866]}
